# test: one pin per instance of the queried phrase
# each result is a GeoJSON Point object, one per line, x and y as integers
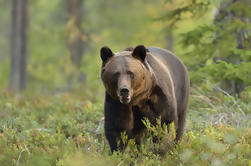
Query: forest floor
{"type": "Point", "coordinates": [67, 129]}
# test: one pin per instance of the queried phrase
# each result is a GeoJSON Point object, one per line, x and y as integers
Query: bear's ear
{"type": "Point", "coordinates": [139, 52]}
{"type": "Point", "coordinates": [105, 54]}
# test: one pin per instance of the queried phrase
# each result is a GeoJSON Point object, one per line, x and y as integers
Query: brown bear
{"type": "Point", "coordinates": [142, 82]}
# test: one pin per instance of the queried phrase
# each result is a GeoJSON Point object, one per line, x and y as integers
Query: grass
{"type": "Point", "coordinates": [67, 129]}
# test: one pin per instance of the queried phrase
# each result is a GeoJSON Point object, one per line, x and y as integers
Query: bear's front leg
{"type": "Point", "coordinates": [112, 139]}
{"type": "Point", "coordinates": [113, 136]}
{"type": "Point", "coordinates": [118, 118]}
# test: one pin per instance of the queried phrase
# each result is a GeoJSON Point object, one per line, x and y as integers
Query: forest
{"type": "Point", "coordinates": [52, 96]}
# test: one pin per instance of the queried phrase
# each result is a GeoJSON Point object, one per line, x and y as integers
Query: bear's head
{"type": "Point", "coordinates": [126, 75]}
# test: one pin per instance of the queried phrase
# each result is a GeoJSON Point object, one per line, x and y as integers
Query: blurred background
{"type": "Point", "coordinates": [54, 45]}
{"type": "Point", "coordinates": [51, 95]}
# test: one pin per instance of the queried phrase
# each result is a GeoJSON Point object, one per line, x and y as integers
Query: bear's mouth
{"type": "Point", "coordinates": [125, 99]}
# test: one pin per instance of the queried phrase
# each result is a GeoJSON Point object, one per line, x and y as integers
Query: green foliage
{"type": "Point", "coordinates": [67, 130]}
{"type": "Point", "coordinates": [184, 9]}
{"type": "Point", "coordinates": [226, 38]}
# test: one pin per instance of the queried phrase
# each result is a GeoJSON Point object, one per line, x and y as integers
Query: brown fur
{"type": "Point", "coordinates": [157, 83]}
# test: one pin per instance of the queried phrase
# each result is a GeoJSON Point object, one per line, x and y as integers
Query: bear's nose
{"type": "Point", "coordinates": [124, 92]}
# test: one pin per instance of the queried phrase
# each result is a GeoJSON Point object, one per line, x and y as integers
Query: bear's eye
{"type": "Point", "coordinates": [116, 74]}
{"type": "Point", "coordinates": [130, 74]}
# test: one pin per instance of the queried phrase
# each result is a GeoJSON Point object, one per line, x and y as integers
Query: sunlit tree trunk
{"type": "Point", "coordinates": [18, 73]}
{"type": "Point", "coordinates": [76, 36]}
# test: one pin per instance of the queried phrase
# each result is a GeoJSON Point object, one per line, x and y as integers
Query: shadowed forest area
{"type": "Point", "coordinates": [51, 94]}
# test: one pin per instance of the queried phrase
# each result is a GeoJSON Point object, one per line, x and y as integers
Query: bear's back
{"type": "Point", "coordinates": [164, 64]}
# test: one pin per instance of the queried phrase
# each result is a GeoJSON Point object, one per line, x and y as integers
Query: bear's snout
{"type": "Point", "coordinates": [124, 95]}
{"type": "Point", "coordinates": [124, 92]}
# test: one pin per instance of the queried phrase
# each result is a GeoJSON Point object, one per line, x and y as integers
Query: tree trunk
{"type": "Point", "coordinates": [75, 33]}
{"type": "Point", "coordinates": [76, 38]}
{"type": "Point", "coordinates": [18, 73]}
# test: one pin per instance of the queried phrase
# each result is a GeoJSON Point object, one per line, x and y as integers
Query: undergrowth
{"type": "Point", "coordinates": [66, 129]}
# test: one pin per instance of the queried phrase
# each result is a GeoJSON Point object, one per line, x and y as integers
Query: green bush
{"type": "Point", "coordinates": [65, 129]}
